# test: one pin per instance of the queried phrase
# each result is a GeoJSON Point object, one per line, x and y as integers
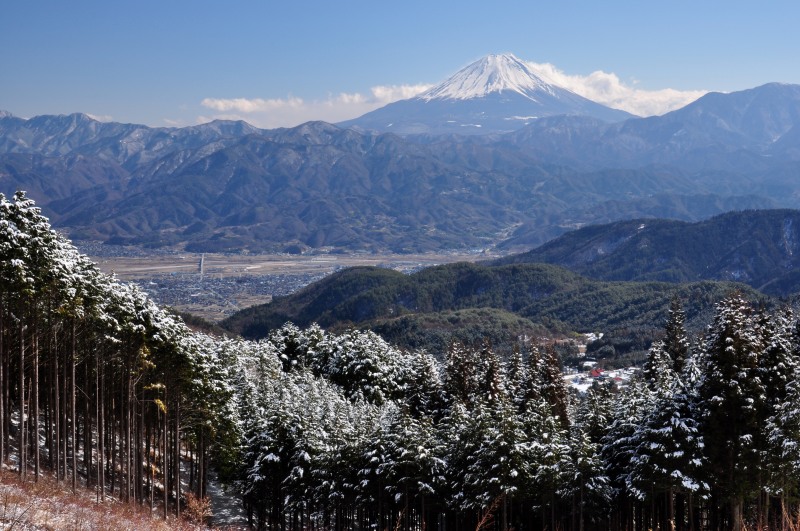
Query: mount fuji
{"type": "Point", "coordinates": [495, 94]}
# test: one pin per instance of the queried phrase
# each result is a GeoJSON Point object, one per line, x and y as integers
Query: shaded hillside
{"type": "Point", "coordinates": [317, 185]}
{"type": "Point", "coordinates": [759, 248]}
{"type": "Point", "coordinates": [422, 310]}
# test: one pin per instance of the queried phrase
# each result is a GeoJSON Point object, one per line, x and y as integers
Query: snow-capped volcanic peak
{"type": "Point", "coordinates": [496, 94]}
{"type": "Point", "coordinates": [493, 73]}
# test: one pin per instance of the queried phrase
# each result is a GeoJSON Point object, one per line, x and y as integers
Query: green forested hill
{"type": "Point", "coordinates": [472, 301]}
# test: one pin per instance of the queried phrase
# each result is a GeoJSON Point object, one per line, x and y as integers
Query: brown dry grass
{"type": "Point", "coordinates": [48, 505]}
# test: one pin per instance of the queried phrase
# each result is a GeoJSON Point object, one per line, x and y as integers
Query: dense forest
{"type": "Point", "coordinates": [321, 430]}
{"type": "Point", "coordinates": [97, 384]}
{"type": "Point", "coordinates": [467, 302]}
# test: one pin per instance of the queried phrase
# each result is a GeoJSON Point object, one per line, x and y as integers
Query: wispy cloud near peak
{"type": "Point", "coordinates": [609, 89]}
{"type": "Point", "coordinates": [291, 111]}
{"type": "Point", "coordinates": [602, 87]}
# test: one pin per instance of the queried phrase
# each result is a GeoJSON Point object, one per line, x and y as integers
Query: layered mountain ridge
{"type": "Point", "coordinates": [228, 186]}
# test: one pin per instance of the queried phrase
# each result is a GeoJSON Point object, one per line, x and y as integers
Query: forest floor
{"type": "Point", "coordinates": [47, 504]}
{"type": "Point", "coordinates": [226, 508]}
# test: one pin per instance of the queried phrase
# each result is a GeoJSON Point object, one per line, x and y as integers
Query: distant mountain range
{"type": "Point", "coordinates": [496, 94]}
{"type": "Point", "coordinates": [228, 186]}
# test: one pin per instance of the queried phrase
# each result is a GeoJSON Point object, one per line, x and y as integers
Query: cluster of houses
{"type": "Point", "coordinates": [591, 374]}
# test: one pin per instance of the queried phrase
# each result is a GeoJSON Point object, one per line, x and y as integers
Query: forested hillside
{"type": "Point", "coordinates": [98, 386]}
{"type": "Point", "coordinates": [432, 307]}
{"type": "Point", "coordinates": [320, 430]}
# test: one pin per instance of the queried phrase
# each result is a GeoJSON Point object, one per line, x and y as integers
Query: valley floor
{"type": "Point", "coordinates": [214, 286]}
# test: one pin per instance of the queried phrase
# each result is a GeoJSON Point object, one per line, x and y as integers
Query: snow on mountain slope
{"type": "Point", "coordinates": [493, 73]}
{"type": "Point", "coordinates": [495, 94]}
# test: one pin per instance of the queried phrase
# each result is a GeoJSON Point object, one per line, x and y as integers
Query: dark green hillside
{"type": "Point", "coordinates": [311, 303]}
{"type": "Point", "coordinates": [470, 301]}
{"type": "Point", "coordinates": [361, 294]}
{"type": "Point", "coordinates": [758, 247]}
{"type": "Point", "coordinates": [435, 331]}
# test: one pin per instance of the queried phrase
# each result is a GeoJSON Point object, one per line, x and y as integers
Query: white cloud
{"type": "Point", "coordinates": [385, 94]}
{"type": "Point", "coordinates": [249, 106]}
{"type": "Point", "coordinates": [291, 111]}
{"type": "Point", "coordinates": [608, 89]}
{"type": "Point", "coordinates": [599, 86]}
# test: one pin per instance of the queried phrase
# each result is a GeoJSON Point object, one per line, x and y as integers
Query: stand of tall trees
{"type": "Point", "coordinates": [102, 389]}
{"type": "Point", "coordinates": [345, 432]}
{"type": "Point", "coordinates": [97, 384]}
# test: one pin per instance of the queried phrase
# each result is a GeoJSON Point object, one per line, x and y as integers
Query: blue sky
{"type": "Point", "coordinates": [279, 63]}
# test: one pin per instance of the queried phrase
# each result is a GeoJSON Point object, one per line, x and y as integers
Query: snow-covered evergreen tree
{"type": "Point", "coordinates": [588, 483]}
{"type": "Point", "coordinates": [462, 377]}
{"type": "Point", "coordinates": [676, 341]}
{"type": "Point", "coordinates": [729, 393]}
{"type": "Point", "coordinates": [668, 459]}
{"type": "Point", "coordinates": [425, 395]}
{"type": "Point", "coordinates": [780, 372]}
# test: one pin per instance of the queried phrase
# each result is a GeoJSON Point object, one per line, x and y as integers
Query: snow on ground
{"type": "Point", "coordinates": [49, 505]}
{"type": "Point", "coordinates": [226, 507]}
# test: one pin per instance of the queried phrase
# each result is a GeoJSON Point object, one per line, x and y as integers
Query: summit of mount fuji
{"type": "Point", "coordinates": [495, 94]}
{"type": "Point", "coordinates": [493, 73]}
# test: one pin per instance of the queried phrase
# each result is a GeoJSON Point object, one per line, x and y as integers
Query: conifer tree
{"type": "Point", "coordinates": [658, 369]}
{"type": "Point", "coordinates": [551, 458]}
{"type": "Point", "coordinates": [588, 484]}
{"type": "Point", "coordinates": [676, 342]}
{"type": "Point", "coordinates": [424, 393]}
{"type": "Point", "coordinates": [728, 392]}
{"type": "Point", "coordinates": [553, 387]}
{"type": "Point", "coordinates": [668, 458]}
{"type": "Point", "coordinates": [517, 378]}
{"type": "Point", "coordinates": [778, 370]}
{"type": "Point", "coordinates": [461, 375]}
